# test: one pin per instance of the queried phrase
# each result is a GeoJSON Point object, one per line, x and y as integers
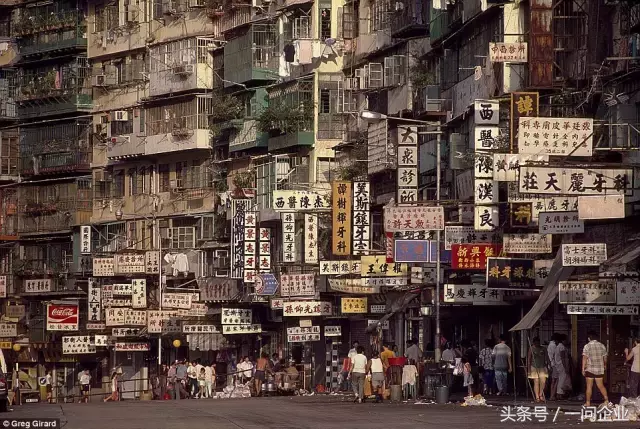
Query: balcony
{"type": "Point", "coordinates": [292, 139]}
{"type": "Point", "coordinates": [410, 19]}
{"type": "Point", "coordinates": [7, 95]}
{"type": "Point", "coordinates": [634, 18]}
{"type": "Point", "coordinates": [247, 136]}
{"type": "Point", "coordinates": [181, 65]}
{"type": "Point", "coordinates": [43, 286]}
{"type": "Point", "coordinates": [439, 25]}
{"type": "Point", "coordinates": [252, 56]}
{"type": "Point", "coordinates": [51, 33]}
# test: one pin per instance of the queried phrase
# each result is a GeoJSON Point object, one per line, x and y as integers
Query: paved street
{"type": "Point", "coordinates": [282, 413]}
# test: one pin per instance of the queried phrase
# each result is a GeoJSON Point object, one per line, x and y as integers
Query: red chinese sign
{"type": "Point", "coordinates": [62, 317]}
{"type": "Point", "coordinates": [473, 256]}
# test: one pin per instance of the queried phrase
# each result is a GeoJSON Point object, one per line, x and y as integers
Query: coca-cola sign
{"type": "Point", "coordinates": [62, 317]}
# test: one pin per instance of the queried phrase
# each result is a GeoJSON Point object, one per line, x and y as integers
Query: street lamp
{"type": "Point", "coordinates": [156, 232]}
{"type": "Point", "coordinates": [375, 116]}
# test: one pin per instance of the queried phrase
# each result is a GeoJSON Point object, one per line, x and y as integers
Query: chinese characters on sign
{"type": "Point", "coordinates": [242, 329]}
{"type": "Point", "coordinates": [297, 285]}
{"type": "Point", "coordinates": [398, 219]}
{"type": "Point", "coordinates": [486, 191]}
{"type": "Point", "coordinates": [288, 237]}
{"type": "Point", "coordinates": [8, 330]}
{"type": "Point", "coordinates": [486, 218]}
{"type": "Point", "coordinates": [508, 52]}
{"type": "Point", "coordinates": [471, 294]}
{"type": "Point", "coordinates": [542, 267]}
{"type": "Point", "coordinates": [620, 310]}
{"type": "Point", "coordinates": [37, 285]}
{"type": "Point", "coordinates": [80, 344]}
{"type": "Point", "coordinates": [103, 267]}
{"type": "Point", "coordinates": [377, 266]}
{"type": "Point", "coordinates": [510, 273]}
{"type": "Point", "coordinates": [94, 298]}
{"type": "Point", "coordinates": [486, 138]}
{"type": "Point", "coordinates": [527, 243]}
{"type": "Point", "coordinates": [307, 308]}
{"type": "Point", "coordinates": [486, 112]}
{"type": "Point", "coordinates": [301, 338]}
{"type": "Point", "coordinates": [217, 289]}
{"type": "Point", "coordinates": [332, 331]}
{"type": "Point", "coordinates": [125, 332]}
{"type": "Point", "coordinates": [587, 292]}
{"type": "Point", "coordinates": [250, 250]}
{"type": "Point", "coordinates": [163, 322]}
{"type": "Point", "coordinates": [152, 262]}
{"type": "Point", "coordinates": [293, 201]}
{"type": "Point", "coordinates": [62, 317]}
{"type": "Point", "coordinates": [139, 293]}
{"type": "Point", "coordinates": [354, 305]}
{"type": "Point", "coordinates": [407, 155]}
{"type": "Point", "coordinates": [342, 198]}
{"type": "Point", "coordinates": [506, 166]}
{"type": "Point", "coordinates": [628, 292]}
{"type": "Point", "coordinates": [583, 255]}
{"type": "Point", "coordinates": [132, 347]}
{"type": "Point", "coordinates": [574, 181]}
{"type": "Point", "coordinates": [130, 263]}
{"type": "Point", "coordinates": [556, 136]}
{"type": "Point", "coordinates": [523, 104]}
{"type": "Point", "coordinates": [601, 207]}
{"type": "Point", "coordinates": [176, 300]}
{"type": "Point", "coordinates": [311, 238]}
{"type": "Point", "coordinates": [468, 235]}
{"type": "Point", "coordinates": [560, 223]}
{"type": "Point", "coordinates": [266, 284]}
{"type": "Point", "coordinates": [472, 256]}
{"type": "Point", "coordinates": [236, 316]}
{"type": "Point", "coordinates": [412, 251]}
{"type": "Point", "coordinates": [265, 249]}
{"type": "Point", "coordinates": [100, 340]}
{"type": "Point", "coordinates": [361, 218]}
{"type": "Point", "coordinates": [297, 330]}
{"type": "Point", "coordinates": [354, 286]}
{"type": "Point", "coordinates": [85, 239]}
{"type": "Point", "coordinates": [200, 329]}
{"type": "Point", "coordinates": [134, 317]}
{"type": "Point", "coordinates": [334, 268]}
{"type": "Point", "coordinates": [3, 286]}
{"type": "Point", "coordinates": [540, 203]}
{"type": "Point", "coordinates": [238, 208]}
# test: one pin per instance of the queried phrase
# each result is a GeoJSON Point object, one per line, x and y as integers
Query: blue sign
{"type": "Point", "coordinates": [266, 284]}
{"type": "Point", "coordinates": [413, 251]}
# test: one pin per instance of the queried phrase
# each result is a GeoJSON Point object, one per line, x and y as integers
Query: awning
{"type": "Point", "coordinates": [398, 303]}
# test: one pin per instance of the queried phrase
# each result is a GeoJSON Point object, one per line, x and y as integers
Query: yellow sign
{"type": "Point", "coordinates": [376, 266]}
{"type": "Point", "coordinates": [5, 345]}
{"type": "Point", "coordinates": [523, 104]}
{"type": "Point", "coordinates": [341, 201]}
{"type": "Point", "coordinates": [354, 305]}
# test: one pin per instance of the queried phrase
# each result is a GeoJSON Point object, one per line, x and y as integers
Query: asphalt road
{"type": "Point", "coordinates": [312, 412]}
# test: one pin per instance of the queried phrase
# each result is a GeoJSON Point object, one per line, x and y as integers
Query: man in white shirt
{"type": "Point", "coordinates": [192, 375]}
{"type": "Point", "coordinates": [358, 372]}
{"type": "Point", "coordinates": [353, 350]}
{"type": "Point", "coordinates": [198, 369]}
{"type": "Point", "coordinates": [551, 352]}
{"type": "Point", "coordinates": [245, 369]}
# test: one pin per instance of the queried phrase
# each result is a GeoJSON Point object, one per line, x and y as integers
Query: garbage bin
{"type": "Point", "coordinates": [442, 394]}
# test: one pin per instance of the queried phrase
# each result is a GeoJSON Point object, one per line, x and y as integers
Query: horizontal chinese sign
{"type": "Point", "coordinates": [352, 286]}
{"type": "Point", "coordinates": [332, 331]}
{"type": "Point", "coordinates": [130, 263]}
{"type": "Point", "coordinates": [80, 344]}
{"type": "Point", "coordinates": [413, 218]}
{"type": "Point", "coordinates": [472, 256]}
{"type": "Point", "coordinates": [176, 300]}
{"type": "Point", "coordinates": [236, 316]}
{"type": "Point", "coordinates": [384, 281]}
{"type": "Point", "coordinates": [297, 285]}
{"type": "Point", "coordinates": [587, 292]}
{"type": "Point", "coordinates": [412, 251]}
{"type": "Point", "coordinates": [103, 267]}
{"type": "Point", "coordinates": [302, 338]}
{"type": "Point", "coordinates": [467, 234]}
{"type": "Point", "coordinates": [527, 243]}
{"type": "Point", "coordinates": [471, 294]}
{"type": "Point", "coordinates": [560, 223]}
{"type": "Point", "coordinates": [506, 166]}
{"type": "Point", "coordinates": [297, 330]}
{"type": "Point", "coordinates": [200, 329]}
{"type": "Point", "coordinates": [510, 273]}
{"type": "Point", "coordinates": [241, 329]}
{"type": "Point", "coordinates": [334, 268]}
{"type": "Point", "coordinates": [583, 255]}
{"type": "Point", "coordinates": [620, 310]}
{"type": "Point", "coordinates": [132, 347]}
{"type": "Point", "coordinates": [628, 292]}
{"type": "Point", "coordinates": [601, 207]}
{"type": "Point", "coordinates": [291, 201]}
{"type": "Point", "coordinates": [37, 285]}
{"type": "Point", "coordinates": [354, 305]}
{"type": "Point", "coordinates": [163, 322]}
{"type": "Point", "coordinates": [575, 181]}
{"type": "Point", "coordinates": [556, 136]}
{"type": "Point", "coordinates": [500, 52]}
{"type": "Point", "coordinates": [377, 266]}
{"type": "Point", "coordinates": [307, 308]}
{"type": "Point", "coordinates": [8, 330]}
{"type": "Point", "coordinates": [125, 332]}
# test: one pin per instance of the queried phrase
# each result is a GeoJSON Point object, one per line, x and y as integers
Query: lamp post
{"type": "Point", "coordinates": [156, 234]}
{"type": "Point", "coordinates": [375, 116]}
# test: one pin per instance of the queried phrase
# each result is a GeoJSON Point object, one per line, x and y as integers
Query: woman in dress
{"type": "Point", "coordinates": [114, 388]}
{"type": "Point", "coordinates": [537, 365]}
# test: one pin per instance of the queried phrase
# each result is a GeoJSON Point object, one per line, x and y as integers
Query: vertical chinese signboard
{"type": "Point", "coordinates": [288, 237]}
{"type": "Point", "coordinates": [85, 239]}
{"type": "Point", "coordinates": [407, 164]}
{"type": "Point", "coordinates": [94, 296]}
{"type": "Point", "coordinates": [341, 200]}
{"type": "Point", "coordinates": [311, 239]}
{"type": "Point", "coordinates": [523, 104]}
{"type": "Point", "coordinates": [238, 209]}
{"type": "Point", "coordinates": [361, 218]}
{"type": "Point", "coordinates": [265, 250]}
{"type": "Point", "coordinates": [250, 251]}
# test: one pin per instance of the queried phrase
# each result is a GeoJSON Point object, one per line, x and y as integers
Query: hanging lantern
{"type": "Point", "coordinates": [176, 343]}
{"type": "Point", "coordinates": [16, 347]}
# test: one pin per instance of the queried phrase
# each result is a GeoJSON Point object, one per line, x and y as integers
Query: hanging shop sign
{"type": "Point", "coordinates": [198, 309]}
{"type": "Point", "coordinates": [8, 330]}
{"type": "Point", "coordinates": [377, 308]}
{"type": "Point", "coordinates": [542, 268]}
{"type": "Point", "coordinates": [152, 262]}
{"type": "Point", "coordinates": [407, 159]}
{"type": "Point", "coordinates": [132, 347]}
{"type": "Point", "coordinates": [134, 317]}
{"type": "Point", "coordinates": [236, 316]}
{"type": "Point", "coordinates": [307, 308]}
{"type": "Point", "coordinates": [415, 218]}
{"type": "Point", "coordinates": [125, 332]}
{"type": "Point", "coordinates": [103, 267]}
{"type": "Point", "coordinates": [353, 305]}
{"type": "Point", "coordinates": [264, 249]}
{"type": "Point", "coordinates": [613, 310]}
{"type": "Point", "coordinates": [122, 289]}
{"type": "Point", "coordinates": [176, 300]}
{"type": "Point", "coordinates": [486, 138]}
{"type": "Point", "coordinates": [587, 292]}
{"type": "Point", "coordinates": [342, 198]}
{"type": "Point", "coordinates": [118, 302]}
{"type": "Point", "coordinates": [384, 326]}
{"type": "Point", "coordinates": [77, 344]}
{"type": "Point", "coordinates": [556, 136]}
{"type": "Point", "coordinates": [218, 289]}
{"type": "Point", "coordinates": [297, 285]}
{"type": "Point", "coordinates": [464, 185]}
{"type": "Point", "coordinates": [483, 166]}
{"type": "Point", "coordinates": [62, 317]}
{"type": "Point", "coordinates": [238, 209]}
{"type": "Point", "coordinates": [85, 239]}
{"type": "Point", "coordinates": [506, 166]}
{"type": "Point", "coordinates": [37, 285]}
{"type": "Point", "coordinates": [328, 268]}
{"type": "Point", "coordinates": [311, 239]}
{"type": "Point", "coordinates": [425, 275]}
{"type": "Point", "coordinates": [583, 255]}
{"type": "Point", "coordinates": [414, 235]}
{"type": "Point", "coordinates": [523, 104]}
{"type": "Point", "coordinates": [361, 218]}
{"type": "Point", "coordinates": [100, 340]}
{"type": "Point", "coordinates": [468, 235]}
{"type": "Point", "coordinates": [575, 181]}
{"type": "Point", "coordinates": [96, 326]}
{"type": "Point", "coordinates": [628, 292]}
{"type": "Point", "coordinates": [130, 263]}
{"type": "Point", "coordinates": [16, 311]}
{"type": "Point", "coordinates": [466, 213]}
{"type": "Point", "coordinates": [384, 281]}
{"type": "Point", "coordinates": [486, 112]}
{"type": "Point", "coordinates": [94, 299]}
{"type": "Point", "coordinates": [139, 293]}
{"type": "Point", "coordinates": [332, 331]}
{"type": "Point", "coordinates": [302, 338]}
{"type": "Point", "coordinates": [353, 286]}
{"type": "Point", "coordinates": [486, 191]}
{"type": "Point", "coordinates": [412, 251]}
{"type": "Point", "coordinates": [475, 294]}
{"type": "Point", "coordinates": [486, 218]}
{"type": "Point", "coordinates": [541, 203]}
{"type": "Point", "coordinates": [201, 329]}
{"type": "Point", "coordinates": [114, 316]}
{"type": "Point", "coordinates": [510, 273]}
{"type": "Point", "coordinates": [255, 328]}
{"type": "Point", "coordinates": [527, 243]}
{"type": "Point", "coordinates": [500, 52]}
{"type": "Point", "coordinates": [288, 237]}
{"type": "Point", "coordinates": [472, 256]}
{"type": "Point", "coordinates": [293, 201]}
{"type": "Point", "coordinates": [3, 286]}
{"type": "Point", "coordinates": [560, 223]}
{"type": "Point", "coordinates": [520, 215]}
{"type": "Point", "coordinates": [377, 266]}
{"type": "Point", "coordinates": [266, 284]}
{"type": "Point", "coordinates": [163, 322]}
{"type": "Point", "coordinates": [276, 303]}
{"type": "Point", "coordinates": [389, 246]}
{"type": "Point", "coordinates": [601, 207]}
{"type": "Point", "coordinates": [299, 330]}
{"type": "Point", "coordinates": [250, 251]}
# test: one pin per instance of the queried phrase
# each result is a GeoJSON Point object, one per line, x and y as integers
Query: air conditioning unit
{"type": "Point", "coordinates": [196, 3]}
{"type": "Point", "coordinates": [183, 69]}
{"type": "Point", "coordinates": [222, 273]}
{"type": "Point", "coordinates": [99, 80]}
{"type": "Point", "coordinates": [120, 115]}
{"type": "Point", "coordinates": [120, 139]}
{"type": "Point", "coordinates": [432, 102]}
{"type": "Point", "coordinates": [222, 253]}
{"type": "Point", "coordinates": [351, 83]}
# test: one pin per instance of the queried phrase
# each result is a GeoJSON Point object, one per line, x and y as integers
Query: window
{"type": "Point", "coordinates": [9, 155]}
{"type": "Point", "coordinates": [117, 186]}
{"type": "Point", "coordinates": [121, 128]}
{"type": "Point", "coordinates": [132, 236]}
{"type": "Point", "coordinates": [325, 21]}
{"type": "Point", "coordinates": [143, 181]}
{"type": "Point", "coordinates": [325, 101]}
{"type": "Point", "coordinates": [323, 170]}
{"type": "Point", "coordinates": [163, 181]}
{"type": "Point", "coordinates": [181, 174]}
{"type": "Point", "coordinates": [380, 16]}
{"type": "Point", "coordinates": [183, 237]}
{"type": "Point", "coordinates": [350, 19]}
{"type": "Point", "coordinates": [394, 70]}
{"type": "Point", "coordinates": [133, 181]}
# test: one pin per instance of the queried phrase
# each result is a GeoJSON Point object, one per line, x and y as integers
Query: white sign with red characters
{"type": "Point", "coordinates": [62, 317]}
{"type": "Point", "coordinates": [413, 218]}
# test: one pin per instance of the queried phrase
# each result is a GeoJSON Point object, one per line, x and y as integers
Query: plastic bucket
{"type": "Point", "coordinates": [442, 394]}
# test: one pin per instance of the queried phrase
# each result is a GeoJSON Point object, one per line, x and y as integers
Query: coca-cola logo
{"type": "Point", "coordinates": [63, 314]}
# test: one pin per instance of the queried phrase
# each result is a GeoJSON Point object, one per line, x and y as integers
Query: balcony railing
{"type": "Point", "coordinates": [38, 286]}
{"type": "Point", "coordinates": [412, 18]}
{"type": "Point", "coordinates": [45, 33]}
{"type": "Point", "coordinates": [253, 56]}
{"type": "Point", "coordinates": [54, 163]}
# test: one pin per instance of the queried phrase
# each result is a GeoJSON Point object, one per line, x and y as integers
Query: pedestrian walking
{"type": "Point", "coordinates": [209, 379]}
{"type": "Point", "coordinates": [114, 388]}
{"type": "Point", "coordinates": [551, 353]}
{"type": "Point", "coordinates": [192, 375]}
{"type": "Point", "coordinates": [376, 369]}
{"type": "Point", "coordinates": [346, 366]}
{"type": "Point", "coordinates": [49, 387]}
{"type": "Point", "coordinates": [262, 366]}
{"type": "Point", "coordinates": [594, 364]}
{"type": "Point", "coordinates": [561, 362]}
{"type": "Point", "coordinates": [357, 373]}
{"type": "Point", "coordinates": [181, 380]}
{"type": "Point", "coordinates": [468, 376]}
{"type": "Point", "coordinates": [537, 368]}
{"type": "Point", "coordinates": [353, 350]}
{"type": "Point", "coordinates": [502, 364]}
{"type": "Point", "coordinates": [202, 383]}
{"type": "Point", "coordinates": [485, 360]}
{"type": "Point", "coordinates": [634, 373]}
{"type": "Point", "coordinates": [85, 386]}
{"type": "Point", "coordinates": [449, 357]}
